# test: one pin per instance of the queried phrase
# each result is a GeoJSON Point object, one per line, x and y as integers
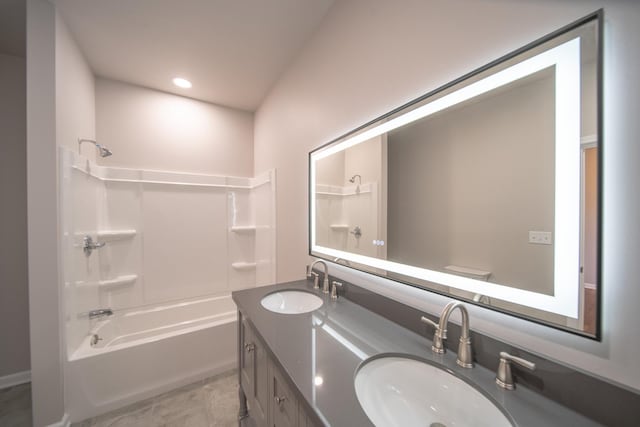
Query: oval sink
{"type": "Point", "coordinates": [398, 391]}
{"type": "Point", "coordinates": [291, 302]}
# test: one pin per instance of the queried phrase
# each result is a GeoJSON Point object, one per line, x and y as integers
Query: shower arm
{"type": "Point", "coordinates": [102, 150]}
{"type": "Point", "coordinates": [81, 140]}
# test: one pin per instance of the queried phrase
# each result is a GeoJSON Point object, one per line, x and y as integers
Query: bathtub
{"type": "Point", "coordinates": [145, 352]}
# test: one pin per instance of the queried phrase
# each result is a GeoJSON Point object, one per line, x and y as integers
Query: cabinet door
{"type": "Point", "coordinates": [303, 419]}
{"type": "Point", "coordinates": [254, 374]}
{"type": "Point", "coordinates": [284, 406]}
{"type": "Point", "coordinates": [246, 358]}
{"type": "Point", "coordinates": [261, 380]}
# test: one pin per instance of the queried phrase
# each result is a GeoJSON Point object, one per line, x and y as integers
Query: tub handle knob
{"type": "Point", "coordinates": [280, 399]}
{"type": "Point", "coordinates": [249, 347]}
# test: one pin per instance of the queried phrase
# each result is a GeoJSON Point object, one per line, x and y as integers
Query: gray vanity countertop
{"type": "Point", "coordinates": [332, 341]}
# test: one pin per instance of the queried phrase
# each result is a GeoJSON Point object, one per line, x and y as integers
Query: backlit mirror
{"type": "Point", "coordinates": [487, 189]}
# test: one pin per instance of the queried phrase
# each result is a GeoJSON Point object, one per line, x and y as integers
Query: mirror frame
{"type": "Point", "coordinates": [440, 93]}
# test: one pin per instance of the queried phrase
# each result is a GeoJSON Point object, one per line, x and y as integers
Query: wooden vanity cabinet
{"type": "Point", "coordinates": [270, 397]}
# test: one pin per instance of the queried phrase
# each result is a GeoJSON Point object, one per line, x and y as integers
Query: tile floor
{"type": "Point", "coordinates": [209, 403]}
{"type": "Point", "coordinates": [15, 406]}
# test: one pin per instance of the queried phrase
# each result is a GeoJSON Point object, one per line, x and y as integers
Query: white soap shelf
{"type": "Point", "coordinates": [112, 235]}
{"type": "Point", "coordinates": [244, 266]}
{"type": "Point", "coordinates": [243, 229]}
{"type": "Point", "coordinates": [119, 281]}
{"type": "Point", "coordinates": [109, 235]}
{"type": "Point", "coordinates": [339, 227]}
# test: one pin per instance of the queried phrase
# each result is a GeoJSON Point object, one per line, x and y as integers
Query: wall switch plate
{"type": "Point", "coordinates": [540, 237]}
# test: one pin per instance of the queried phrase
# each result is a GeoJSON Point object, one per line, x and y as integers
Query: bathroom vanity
{"type": "Point", "coordinates": [301, 369]}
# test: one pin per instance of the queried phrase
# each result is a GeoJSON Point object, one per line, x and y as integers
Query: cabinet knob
{"type": "Point", "coordinates": [280, 399]}
{"type": "Point", "coordinates": [249, 347]}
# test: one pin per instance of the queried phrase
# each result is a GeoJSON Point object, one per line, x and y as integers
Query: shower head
{"type": "Point", "coordinates": [102, 150]}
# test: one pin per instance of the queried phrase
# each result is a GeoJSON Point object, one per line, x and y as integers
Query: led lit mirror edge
{"type": "Point", "coordinates": [565, 60]}
{"type": "Point", "coordinates": [598, 18]}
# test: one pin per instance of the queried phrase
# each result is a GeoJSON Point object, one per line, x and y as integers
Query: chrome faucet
{"type": "Point", "coordinates": [504, 378]}
{"type": "Point", "coordinates": [465, 356]}
{"type": "Point", "coordinates": [325, 282]}
{"type": "Point", "coordinates": [88, 245]}
{"type": "Point", "coordinates": [100, 312]}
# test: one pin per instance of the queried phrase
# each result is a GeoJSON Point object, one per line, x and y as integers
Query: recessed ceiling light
{"type": "Point", "coordinates": [183, 83]}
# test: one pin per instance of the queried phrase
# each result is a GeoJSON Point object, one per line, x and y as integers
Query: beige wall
{"type": "Point", "coordinates": [47, 383]}
{"type": "Point", "coordinates": [370, 56]}
{"type": "Point", "coordinates": [330, 170]}
{"type": "Point", "coordinates": [75, 93]}
{"type": "Point", "coordinates": [466, 186]}
{"type": "Point", "coordinates": [148, 129]}
{"type": "Point", "coordinates": [14, 295]}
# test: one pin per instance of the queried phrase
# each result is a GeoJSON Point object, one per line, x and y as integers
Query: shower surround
{"type": "Point", "coordinates": [175, 246]}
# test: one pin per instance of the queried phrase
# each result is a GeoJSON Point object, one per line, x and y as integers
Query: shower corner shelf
{"type": "Point", "coordinates": [244, 229]}
{"type": "Point", "coordinates": [244, 266]}
{"type": "Point", "coordinates": [339, 227]}
{"type": "Point", "coordinates": [126, 280]}
{"type": "Point", "coordinates": [113, 235]}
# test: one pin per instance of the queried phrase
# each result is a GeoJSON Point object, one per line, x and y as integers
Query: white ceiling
{"type": "Point", "coordinates": [12, 27]}
{"type": "Point", "coordinates": [233, 51]}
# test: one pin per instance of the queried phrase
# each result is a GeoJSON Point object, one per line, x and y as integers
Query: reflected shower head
{"type": "Point", "coordinates": [353, 180]}
{"type": "Point", "coordinates": [102, 150]}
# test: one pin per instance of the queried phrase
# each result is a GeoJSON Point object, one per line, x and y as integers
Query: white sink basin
{"type": "Point", "coordinates": [291, 302]}
{"type": "Point", "coordinates": [398, 391]}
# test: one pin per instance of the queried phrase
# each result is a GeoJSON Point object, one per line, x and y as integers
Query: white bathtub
{"type": "Point", "coordinates": [148, 351]}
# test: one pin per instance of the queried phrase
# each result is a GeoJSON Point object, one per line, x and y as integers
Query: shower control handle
{"type": "Point", "coordinates": [249, 347]}
{"type": "Point", "coordinates": [88, 245]}
{"type": "Point", "coordinates": [280, 399]}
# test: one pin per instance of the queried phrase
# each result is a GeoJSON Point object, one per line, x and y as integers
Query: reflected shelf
{"type": "Point", "coordinates": [113, 235]}
{"type": "Point", "coordinates": [244, 266]}
{"type": "Point", "coordinates": [243, 229]}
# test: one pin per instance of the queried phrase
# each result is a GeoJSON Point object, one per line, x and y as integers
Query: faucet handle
{"type": "Point", "coordinates": [308, 271]}
{"type": "Point", "coordinates": [504, 378]}
{"type": "Point", "coordinates": [438, 345]}
{"type": "Point", "coordinates": [334, 289]}
{"type": "Point", "coordinates": [316, 282]}
{"type": "Point", "coordinates": [428, 321]}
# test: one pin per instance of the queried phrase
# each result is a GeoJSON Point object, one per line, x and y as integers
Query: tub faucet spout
{"type": "Point", "coordinates": [100, 312]}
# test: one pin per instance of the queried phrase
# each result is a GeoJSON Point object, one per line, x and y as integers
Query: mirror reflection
{"type": "Point", "coordinates": [486, 190]}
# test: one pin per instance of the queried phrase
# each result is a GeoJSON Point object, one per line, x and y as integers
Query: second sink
{"type": "Point", "coordinates": [400, 391]}
{"type": "Point", "coordinates": [291, 302]}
